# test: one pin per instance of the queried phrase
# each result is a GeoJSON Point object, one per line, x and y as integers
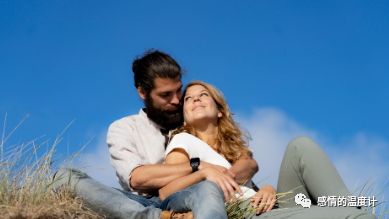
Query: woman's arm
{"type": "Point", "coordinates": [176, 156]}
{"type": "Point", "coordinates": [180, 184]}
{"type": "Point", "coordinates": [225, 182]}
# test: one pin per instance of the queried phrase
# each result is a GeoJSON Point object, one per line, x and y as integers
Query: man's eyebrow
{"type": "Point", "coordinates": [168, 92]}
{"type": "Point", "coordinates": [164, 92]}
{"type": "Point", "coordinates": [161, 92]}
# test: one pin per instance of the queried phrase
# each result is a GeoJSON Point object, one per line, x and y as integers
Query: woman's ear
{"type": "Point", "coordinates": [219, 114]}
{"type": "Point", "coordinates": [184, 123]}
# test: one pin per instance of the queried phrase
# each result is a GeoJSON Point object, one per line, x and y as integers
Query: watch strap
{"type": "Point", "coordinates": [194, 163]}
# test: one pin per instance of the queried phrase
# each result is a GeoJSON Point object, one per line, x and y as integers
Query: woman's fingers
{"type": "Point", "coordinates": [273, 201]}
{"type": "Point", "coordinates": [225, 182]}
{"type": "Point", "coordinates": [264, 205]}
{"type": "Point", "coordinates": [266, 195]}
{"type": "Point", "coordinates": [224, 190]}
{"type": "Point", "coordinates": [257, 199]}
{"type": "Point", "coordinates": [264, 202]}
{"type": "Point", "coordinates": [231, 190]}
{"type": "Point", "coordinates": [221, 169]}
{"type": "Point", "coordinates": [236, 187]}
{"type": "Point", "coordinates": [232, 186]}
{"type": "Point", "coordinates": [269, 204]}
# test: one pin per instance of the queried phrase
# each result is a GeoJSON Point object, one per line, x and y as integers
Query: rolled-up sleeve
{"type": "Point", "coordinates": [124, 153]}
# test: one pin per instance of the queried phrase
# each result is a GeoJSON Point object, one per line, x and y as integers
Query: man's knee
{"type": "Point", "coordinates": [66, 176]}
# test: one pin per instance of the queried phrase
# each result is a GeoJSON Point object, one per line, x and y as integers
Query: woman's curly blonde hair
{"type": "Point", "coordinates": [232, 143]}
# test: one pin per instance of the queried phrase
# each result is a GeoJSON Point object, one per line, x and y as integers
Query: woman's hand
{"type": "Point", "coordinates": [223, 180]}
{"type": "Point", "coordinates": [267, 196]}
{"type": "Point", "coordinates": [221, 169]}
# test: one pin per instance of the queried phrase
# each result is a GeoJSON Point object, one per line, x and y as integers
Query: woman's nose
{"type": "Point", "coordinates": [196, 98]}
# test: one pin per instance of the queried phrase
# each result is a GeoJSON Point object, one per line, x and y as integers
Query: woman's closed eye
{"type": "Point", "coordinates": [202, 94]}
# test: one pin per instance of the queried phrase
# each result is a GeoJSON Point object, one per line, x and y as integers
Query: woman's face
{"type": "Point", "coordinates": [199, 106]}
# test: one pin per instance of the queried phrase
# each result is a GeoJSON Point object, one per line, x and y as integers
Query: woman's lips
{"type": "Point", "coordinates": [196, 107]}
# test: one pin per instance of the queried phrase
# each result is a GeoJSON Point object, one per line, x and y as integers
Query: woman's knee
{"type": "Point", "coordinates": [302, 142]}
{"type": "Point", "coordinates": [209, 188]}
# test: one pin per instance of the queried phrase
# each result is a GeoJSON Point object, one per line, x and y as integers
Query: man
{"type": "Point", "coordinates": [137, 143]}
{"type": "Point", "coordinates": [137, 146]}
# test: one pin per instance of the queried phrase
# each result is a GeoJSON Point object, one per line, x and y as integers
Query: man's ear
{"type": "Point", "coordinates": [142, 93]}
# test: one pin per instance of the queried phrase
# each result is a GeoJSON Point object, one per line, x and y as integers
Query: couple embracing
{"type": "Point", "coordinates": [183, 156]}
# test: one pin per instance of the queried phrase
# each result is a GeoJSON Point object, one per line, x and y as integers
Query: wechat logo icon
{"type": "Point", "coordinates": [302, 200]}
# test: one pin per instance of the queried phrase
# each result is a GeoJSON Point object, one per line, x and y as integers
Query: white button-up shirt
{"type": "Point", "coordinates": [135, 141]}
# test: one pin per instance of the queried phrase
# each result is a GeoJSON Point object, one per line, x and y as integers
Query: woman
{"type": "Point", "coordinates": [305, 167]}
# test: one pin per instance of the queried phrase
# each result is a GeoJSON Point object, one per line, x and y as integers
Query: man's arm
{"type": "Point", "coordinates": [131, 166]}
{"type": "Point", "coordinates": [156, 176]}
{"type": "Point", "coordinates": [244, 169]}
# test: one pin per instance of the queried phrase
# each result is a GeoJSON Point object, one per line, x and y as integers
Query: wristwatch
{"type": "Point", "coordinates": [194, 163]}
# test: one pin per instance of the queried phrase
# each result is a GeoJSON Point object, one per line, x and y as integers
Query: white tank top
{"type": "Point", "coordinates": [195, 147]}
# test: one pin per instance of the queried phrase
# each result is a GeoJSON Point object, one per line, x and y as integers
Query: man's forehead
{"type": "Point", "coordinates": [162, 84]}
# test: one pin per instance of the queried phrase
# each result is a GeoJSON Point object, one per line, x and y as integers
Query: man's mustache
{"type": "Point", "coordinates": [172, 107]}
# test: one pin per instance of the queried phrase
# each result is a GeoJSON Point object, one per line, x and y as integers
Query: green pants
{"type": "Point", "coordinates": [306, 169]}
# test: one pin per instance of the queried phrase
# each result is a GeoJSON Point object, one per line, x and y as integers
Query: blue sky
{"type": "Point", "coordinates": [287, 68]}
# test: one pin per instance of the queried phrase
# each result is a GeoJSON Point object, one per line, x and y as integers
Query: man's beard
{"type": "Point", "coordinates": [162, 117]}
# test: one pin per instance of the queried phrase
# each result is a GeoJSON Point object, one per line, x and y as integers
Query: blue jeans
{"type": "Point", "coordinates": [205, 199]}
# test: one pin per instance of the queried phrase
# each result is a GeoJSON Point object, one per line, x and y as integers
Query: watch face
{"type": "Point", "coordinates": [195, 160]}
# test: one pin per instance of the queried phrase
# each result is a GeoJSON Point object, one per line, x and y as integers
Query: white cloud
{"type": "Point", "coordinates": [97, 162]}
{"type": "Point", "coordinates": [271, 130]}
{"type": "Point", "coordinates": [360, 157]}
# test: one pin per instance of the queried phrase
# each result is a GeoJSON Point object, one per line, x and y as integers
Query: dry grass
{"type": "Point", "coordinates": [239, 209]}
{"type": "Point", "coordinates": [369, 189]}
{"type": "Point", "coordinates": [26, 186]}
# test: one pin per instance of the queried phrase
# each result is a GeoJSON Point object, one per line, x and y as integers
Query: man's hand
{"type": "Point", "coordinates": [267, 196]}
{"type": "Point", "coordinates": [217, 167]}
{"type": "Point", "coordinates": [224, 181]}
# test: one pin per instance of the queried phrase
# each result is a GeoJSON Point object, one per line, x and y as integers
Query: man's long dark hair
{"type": "Point", "coordinates": [151, 65]}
